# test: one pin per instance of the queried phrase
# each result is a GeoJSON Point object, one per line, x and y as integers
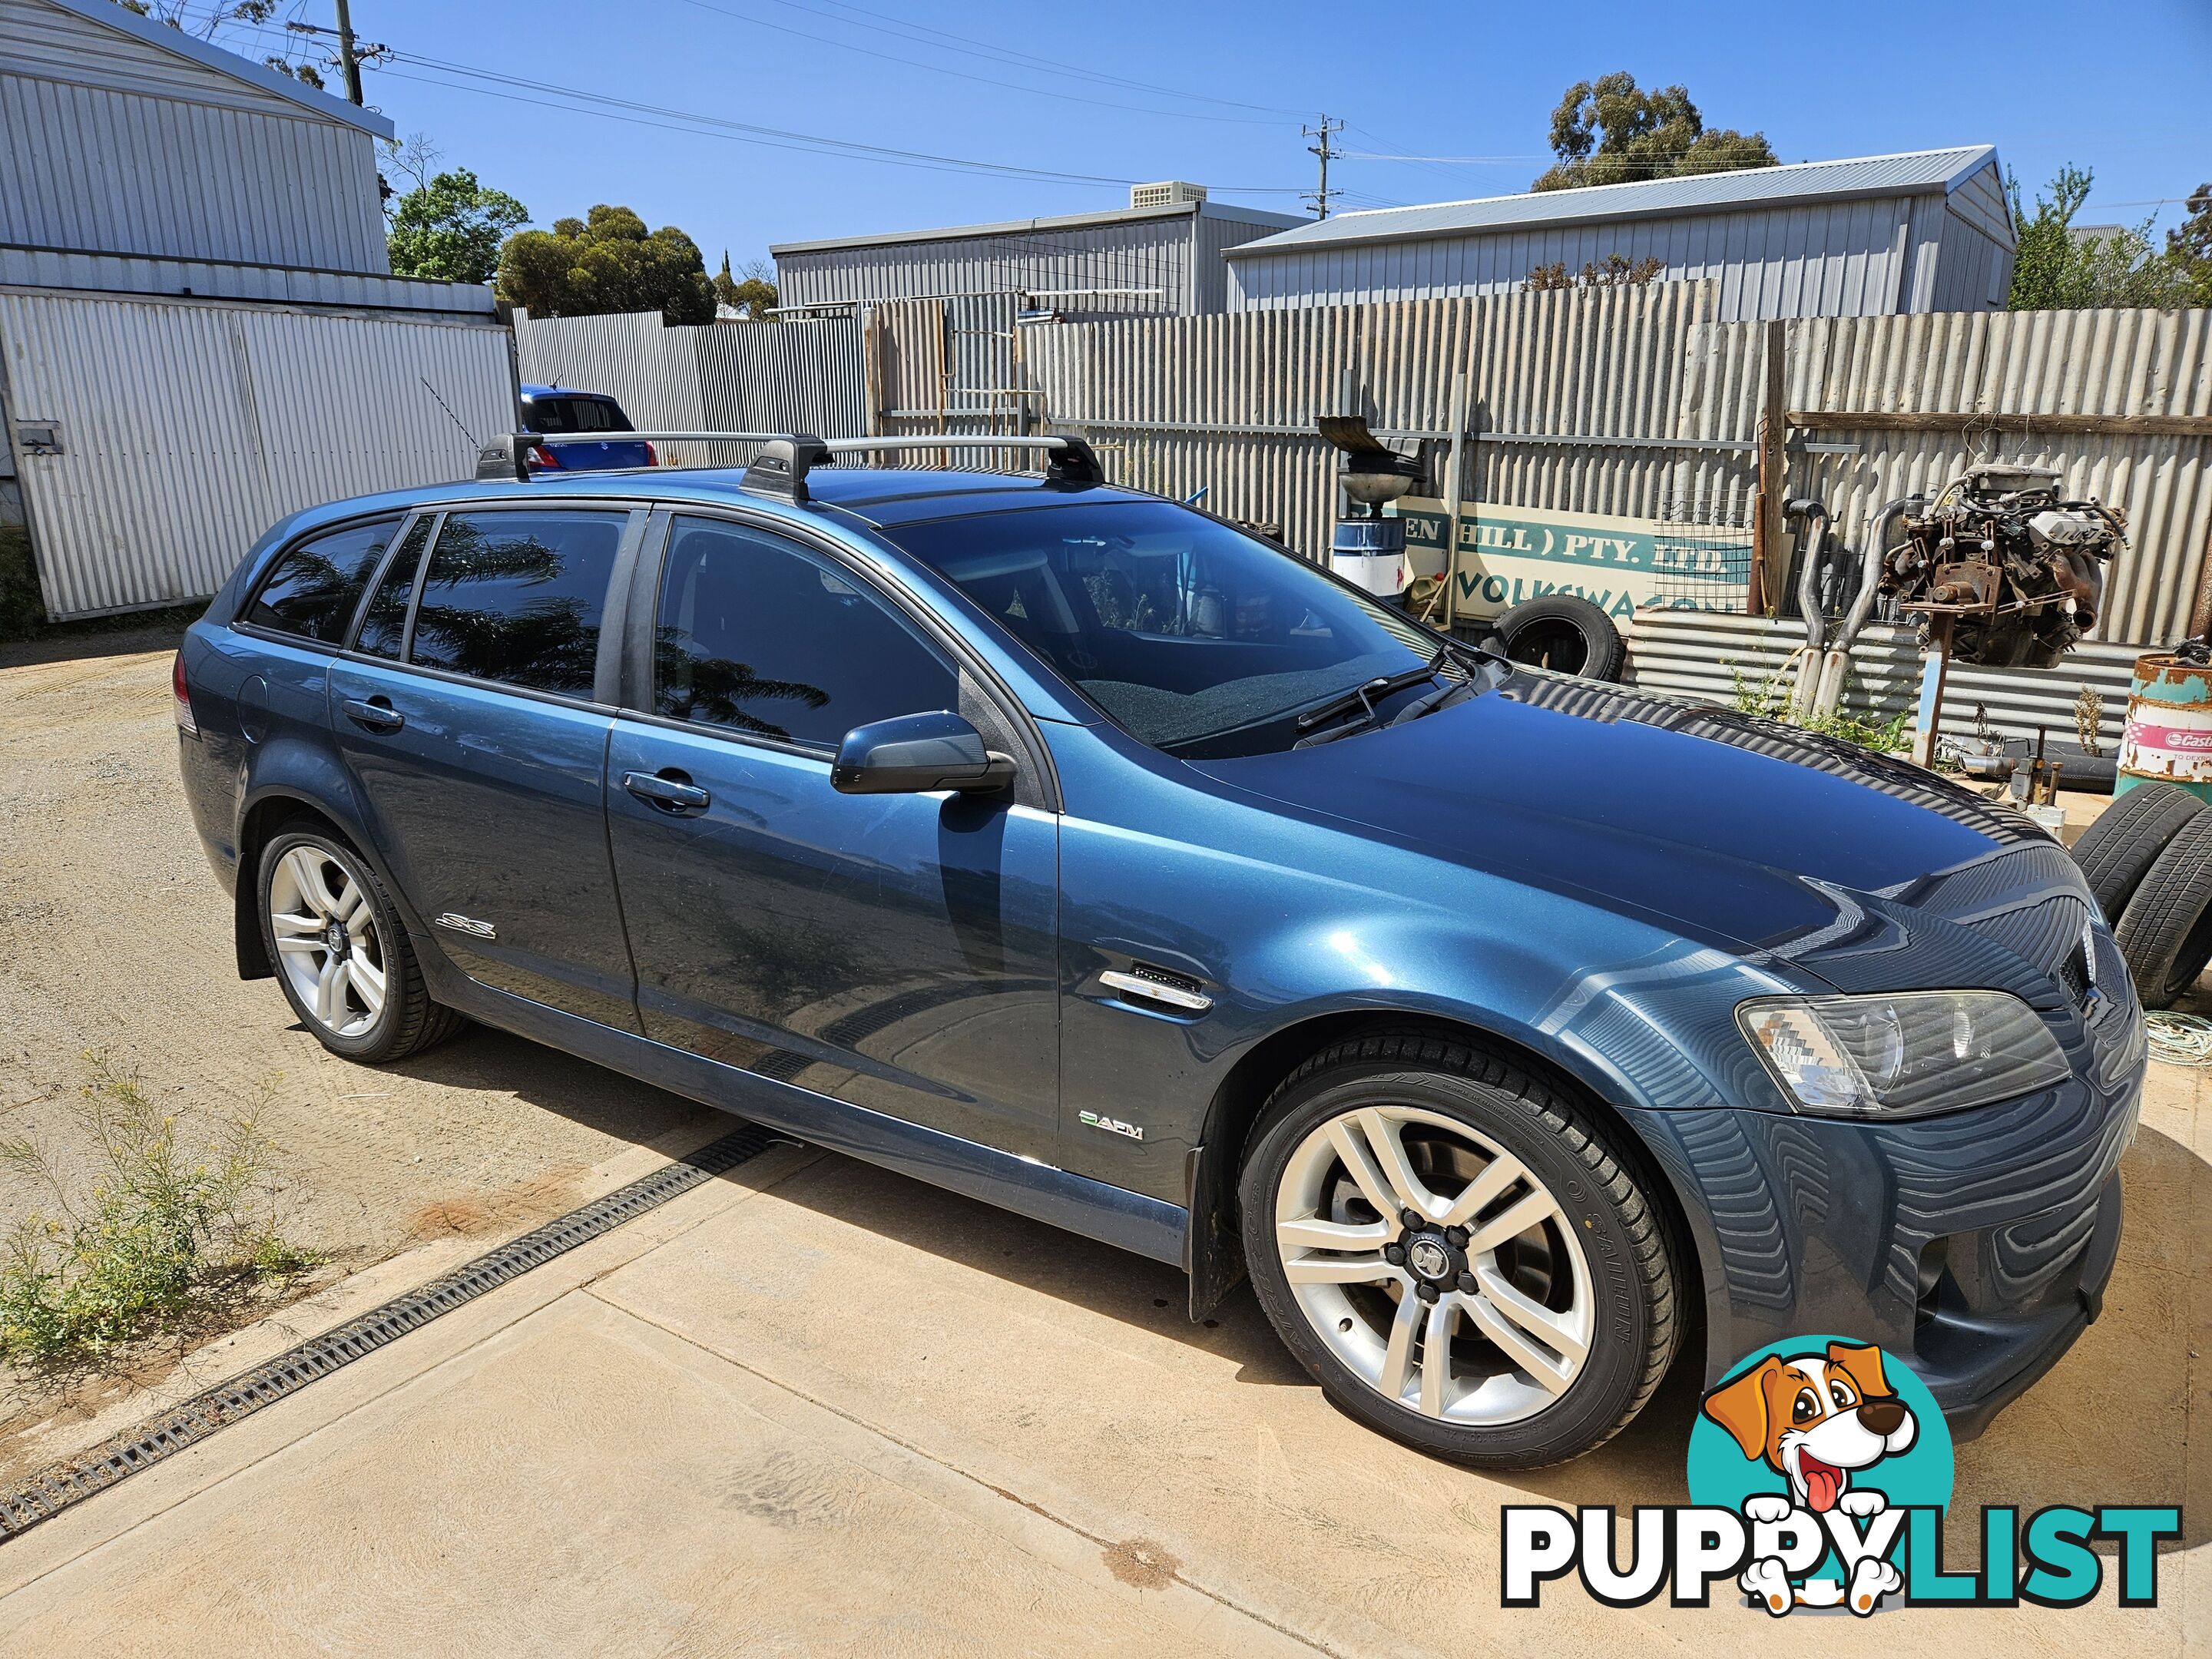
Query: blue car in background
{"type": "Point", "coordinates": [1071, 849]}
{"type": "Point", "coordinates": [565, 409]}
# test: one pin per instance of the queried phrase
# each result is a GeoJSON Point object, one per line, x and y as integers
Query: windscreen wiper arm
{"type": "Point", "coordinates": [1361, 699]}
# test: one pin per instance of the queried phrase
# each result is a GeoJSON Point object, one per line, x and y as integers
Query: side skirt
{"type": "Point", "coordinates": [1112, 1215]}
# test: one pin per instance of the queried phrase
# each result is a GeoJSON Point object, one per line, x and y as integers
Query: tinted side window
{"type": "Point", "coordinates": [516, 598]}
{"type": "Point", "coordinates": [312, 589]}
{"type": "Point", "coordinates": [384, 625]}
{"type": "Point", "coordinates": [757, 633]}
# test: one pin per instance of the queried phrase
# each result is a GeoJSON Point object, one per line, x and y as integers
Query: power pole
{"type": "Point", "coordinates": [1319, 199]}
{"type": "Point", "coordinates": [348, 60]}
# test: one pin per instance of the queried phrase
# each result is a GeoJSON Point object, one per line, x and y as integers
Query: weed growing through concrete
{"type": "Point", "coordinates": [155, 1236]}
{"type": "Point", "coordinates": [1883, 733]}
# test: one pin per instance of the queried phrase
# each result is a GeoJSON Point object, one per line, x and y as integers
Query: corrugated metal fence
{"type": "Point", "coordinates": [187, 428]}
{"type": "Point", "coordinates": [802, 376]}
{"type": "Point", "coordinates": [1628, 401]}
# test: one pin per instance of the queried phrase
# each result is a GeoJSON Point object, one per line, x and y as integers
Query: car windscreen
{"type": "Point", "coordinates": [1196, 638]}
{"type": "Point", "coordinates": [577, 415]}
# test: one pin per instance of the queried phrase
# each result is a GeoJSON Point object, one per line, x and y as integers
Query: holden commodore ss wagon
{"type": "Point", "coordinates": [1072, 848]}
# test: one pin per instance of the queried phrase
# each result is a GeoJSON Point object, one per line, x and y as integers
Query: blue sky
{"type": "Point", "coordinates": [2119, 88]}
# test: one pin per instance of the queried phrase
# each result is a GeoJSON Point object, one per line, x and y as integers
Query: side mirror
{"type": "Point", "coordinates": [914, 754]}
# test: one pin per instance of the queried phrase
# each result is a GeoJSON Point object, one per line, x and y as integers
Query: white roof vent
{"type": "Point", "coordinates": [1166, 193]}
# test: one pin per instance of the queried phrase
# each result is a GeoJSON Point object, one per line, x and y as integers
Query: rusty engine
{"type": "Point", "coordinates": [2019, 573]}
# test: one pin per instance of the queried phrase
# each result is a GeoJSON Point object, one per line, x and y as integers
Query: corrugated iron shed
{"type": "Point", "coordinates": [1873, 236]}
{"type": "Point", "coordinates": [1125, 262]}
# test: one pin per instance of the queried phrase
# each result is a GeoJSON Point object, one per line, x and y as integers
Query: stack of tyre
{"type": "Point", "coordinates": [2148, 860]}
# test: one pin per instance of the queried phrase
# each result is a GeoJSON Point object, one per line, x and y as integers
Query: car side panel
{"type": "Point", "coordinates": [487, 807]}
{"type": "Point", "coordinates": [1281, 920]}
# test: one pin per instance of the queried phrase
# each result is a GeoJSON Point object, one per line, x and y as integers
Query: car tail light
{"type": "Point", "coordinates": [542, 458]}
{"type": "Point", "coordinates": [183, 693]}
{"type": "Point", "coordinates": [652, 456]}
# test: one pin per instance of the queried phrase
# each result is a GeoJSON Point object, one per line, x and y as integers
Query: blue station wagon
{"type": "Point", "coordinates": [1071, 849]}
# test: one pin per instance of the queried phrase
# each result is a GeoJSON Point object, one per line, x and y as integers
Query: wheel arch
{"type": "Point", "coordinates": [265, 814]}
{"type": "Point", "coordinates": [1213, 1250]}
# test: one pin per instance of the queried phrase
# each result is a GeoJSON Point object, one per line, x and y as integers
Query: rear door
{"type": "Point", "coordinates": [896, 952]}
{"type": "Point", "coordinates": [473, 714]}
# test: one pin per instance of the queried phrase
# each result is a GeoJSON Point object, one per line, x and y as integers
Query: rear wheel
{"type": "Point", "coordinates": [341, 950]}
{"type": "Point", "coordinates": [2117, 850]}
{"type": "Point", "coordinates": [2166, 931]}
{"type": "Point", "coordinates": [1458, 1253]}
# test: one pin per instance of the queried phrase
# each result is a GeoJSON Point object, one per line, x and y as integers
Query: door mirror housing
{"type": "Point", "coordinates": [914, 754]}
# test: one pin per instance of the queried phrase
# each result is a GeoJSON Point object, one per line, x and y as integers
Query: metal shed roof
{"type": "Point", "coordinates": [1913, 173]}
{"type": "Point", "coordinates": [322, 105]}
{"type": "Point", "coordinates": [1020, 226]}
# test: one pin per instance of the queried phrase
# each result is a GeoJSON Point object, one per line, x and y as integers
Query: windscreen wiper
{"type": "Point", "coordinates": [1361, 699]}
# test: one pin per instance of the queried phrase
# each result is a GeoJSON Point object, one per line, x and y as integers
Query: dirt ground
{"type": "Point", "coordinates": [116, 937]}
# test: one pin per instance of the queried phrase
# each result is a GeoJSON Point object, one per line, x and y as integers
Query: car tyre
{"type": "Point", "coordinates": [2117, 850]}
{"type": "Point", "coordinates": [1595, 1266]}
{"type": "Point", "coordinates": [2166, 931]}
{"type": "Point", "coordinates": [341, 951]}
{"type": "Point", "coordinates": [1564, 633]}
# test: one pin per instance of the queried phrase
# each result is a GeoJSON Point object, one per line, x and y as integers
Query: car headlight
{"type": "Point", "coordinates": [1902, 1055]}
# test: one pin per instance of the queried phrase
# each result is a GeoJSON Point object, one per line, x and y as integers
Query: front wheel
{"type": "Point", "coordinates": [1458, 1253]}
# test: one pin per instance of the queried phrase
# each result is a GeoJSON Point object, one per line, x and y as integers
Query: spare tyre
{"type": "Point", "coordinates": [2117, 850]}
{"type": "Point", "coordinates": [2165, 933]}
{"type": "Point", "coordinates": [1563, 632]}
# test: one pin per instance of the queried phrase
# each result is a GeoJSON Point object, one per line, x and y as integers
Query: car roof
{"type": "Point", "coordinates": [535, 392]}
{"type": "Point", "coordinates": [880, 497]}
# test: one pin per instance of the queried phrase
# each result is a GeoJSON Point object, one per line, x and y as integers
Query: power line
{"type": "Point", "coordinates": [983, 80]}
{"type": "Point", "coordinates": [592, 103]}
{"type": "Point", "coordinates": [973, 47]}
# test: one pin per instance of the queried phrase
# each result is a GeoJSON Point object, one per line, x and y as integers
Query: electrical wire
{"type": "Point", "coordinates": [984, 80]}
{"type": "Point", "coordinates": [2178, 1039]}
{"type": "Point", "coordinates": [991, 51]}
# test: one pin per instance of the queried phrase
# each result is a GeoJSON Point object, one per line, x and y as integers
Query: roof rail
{"type": "Point", "coordinates": [786, 458]}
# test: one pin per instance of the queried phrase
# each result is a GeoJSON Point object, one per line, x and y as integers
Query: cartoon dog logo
{"type": "Point", "coordinates": [1818, 1419]}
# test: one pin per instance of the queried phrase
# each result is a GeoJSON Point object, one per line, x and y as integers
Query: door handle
{"type": "Point", "coordinates": [670, 790]}
{"type": "Point", "coordinates": [375, 713]}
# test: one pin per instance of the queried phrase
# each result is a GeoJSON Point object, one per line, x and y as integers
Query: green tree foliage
{"type": "Point", "coordinates": [2055, 269]}
{"type": "Point", "coordinates": [606, 262]}
{"type": "Point", "coordinates": [1610, 131]}
{"type": "Point", "coordinates": [2189, 248]}
{"type": "Point", "coordinates": [449, 229]}
{"type": "Point", "coordinates": [754, 292]}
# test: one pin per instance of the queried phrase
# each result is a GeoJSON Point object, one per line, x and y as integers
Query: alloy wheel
{"type": "Point", "coordinates": [328, 946]}
{"type": "Point", "coordinates": [1434, 1265]}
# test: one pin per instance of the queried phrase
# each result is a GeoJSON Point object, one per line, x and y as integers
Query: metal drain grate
{"type": "Point", "coordinates": [54, 1489]}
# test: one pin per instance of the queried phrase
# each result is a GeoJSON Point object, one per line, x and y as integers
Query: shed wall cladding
{"type": "Point", "coordinates": [1143, 253]}
{"type": "Point", "coordinates": [112, 145]}
{"type": "Point", "coordinates": [189, 428]}
{"type": "Point", "coordinates": [1846, 258]}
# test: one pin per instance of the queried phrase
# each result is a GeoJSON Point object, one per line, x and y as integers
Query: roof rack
{"type": "Point", "coordinates": [786, 458]}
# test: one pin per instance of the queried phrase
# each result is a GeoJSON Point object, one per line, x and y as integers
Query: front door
{"type": "Point", "coordinates": [466, 720]}
{"type": "Point", "coordinates": [894, 952]}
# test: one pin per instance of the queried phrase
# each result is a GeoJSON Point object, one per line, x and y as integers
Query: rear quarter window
{"type": "Point", "coordinates": [312, 588]}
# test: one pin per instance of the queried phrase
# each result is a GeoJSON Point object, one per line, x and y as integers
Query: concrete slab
{"type": "Point", "coordinates": [817, 1407]}
{"type": "Point", "coordinates": [586, 1482]}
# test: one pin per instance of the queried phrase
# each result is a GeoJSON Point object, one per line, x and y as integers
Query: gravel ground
{"type": "Point", "coordinates": [116, 937]}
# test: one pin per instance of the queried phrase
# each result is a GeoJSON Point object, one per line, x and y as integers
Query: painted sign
{"type": "Point", "coordinates": [1508, 554]}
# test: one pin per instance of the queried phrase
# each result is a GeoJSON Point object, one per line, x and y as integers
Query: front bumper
{"type": "Point", "coordinates": [1976, 1246]}
{"type": "Point", "coordinates": [1976, 1368]}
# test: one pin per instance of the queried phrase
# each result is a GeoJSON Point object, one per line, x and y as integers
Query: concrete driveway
{"type": "Point", "coordinates": [814, 1407]}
